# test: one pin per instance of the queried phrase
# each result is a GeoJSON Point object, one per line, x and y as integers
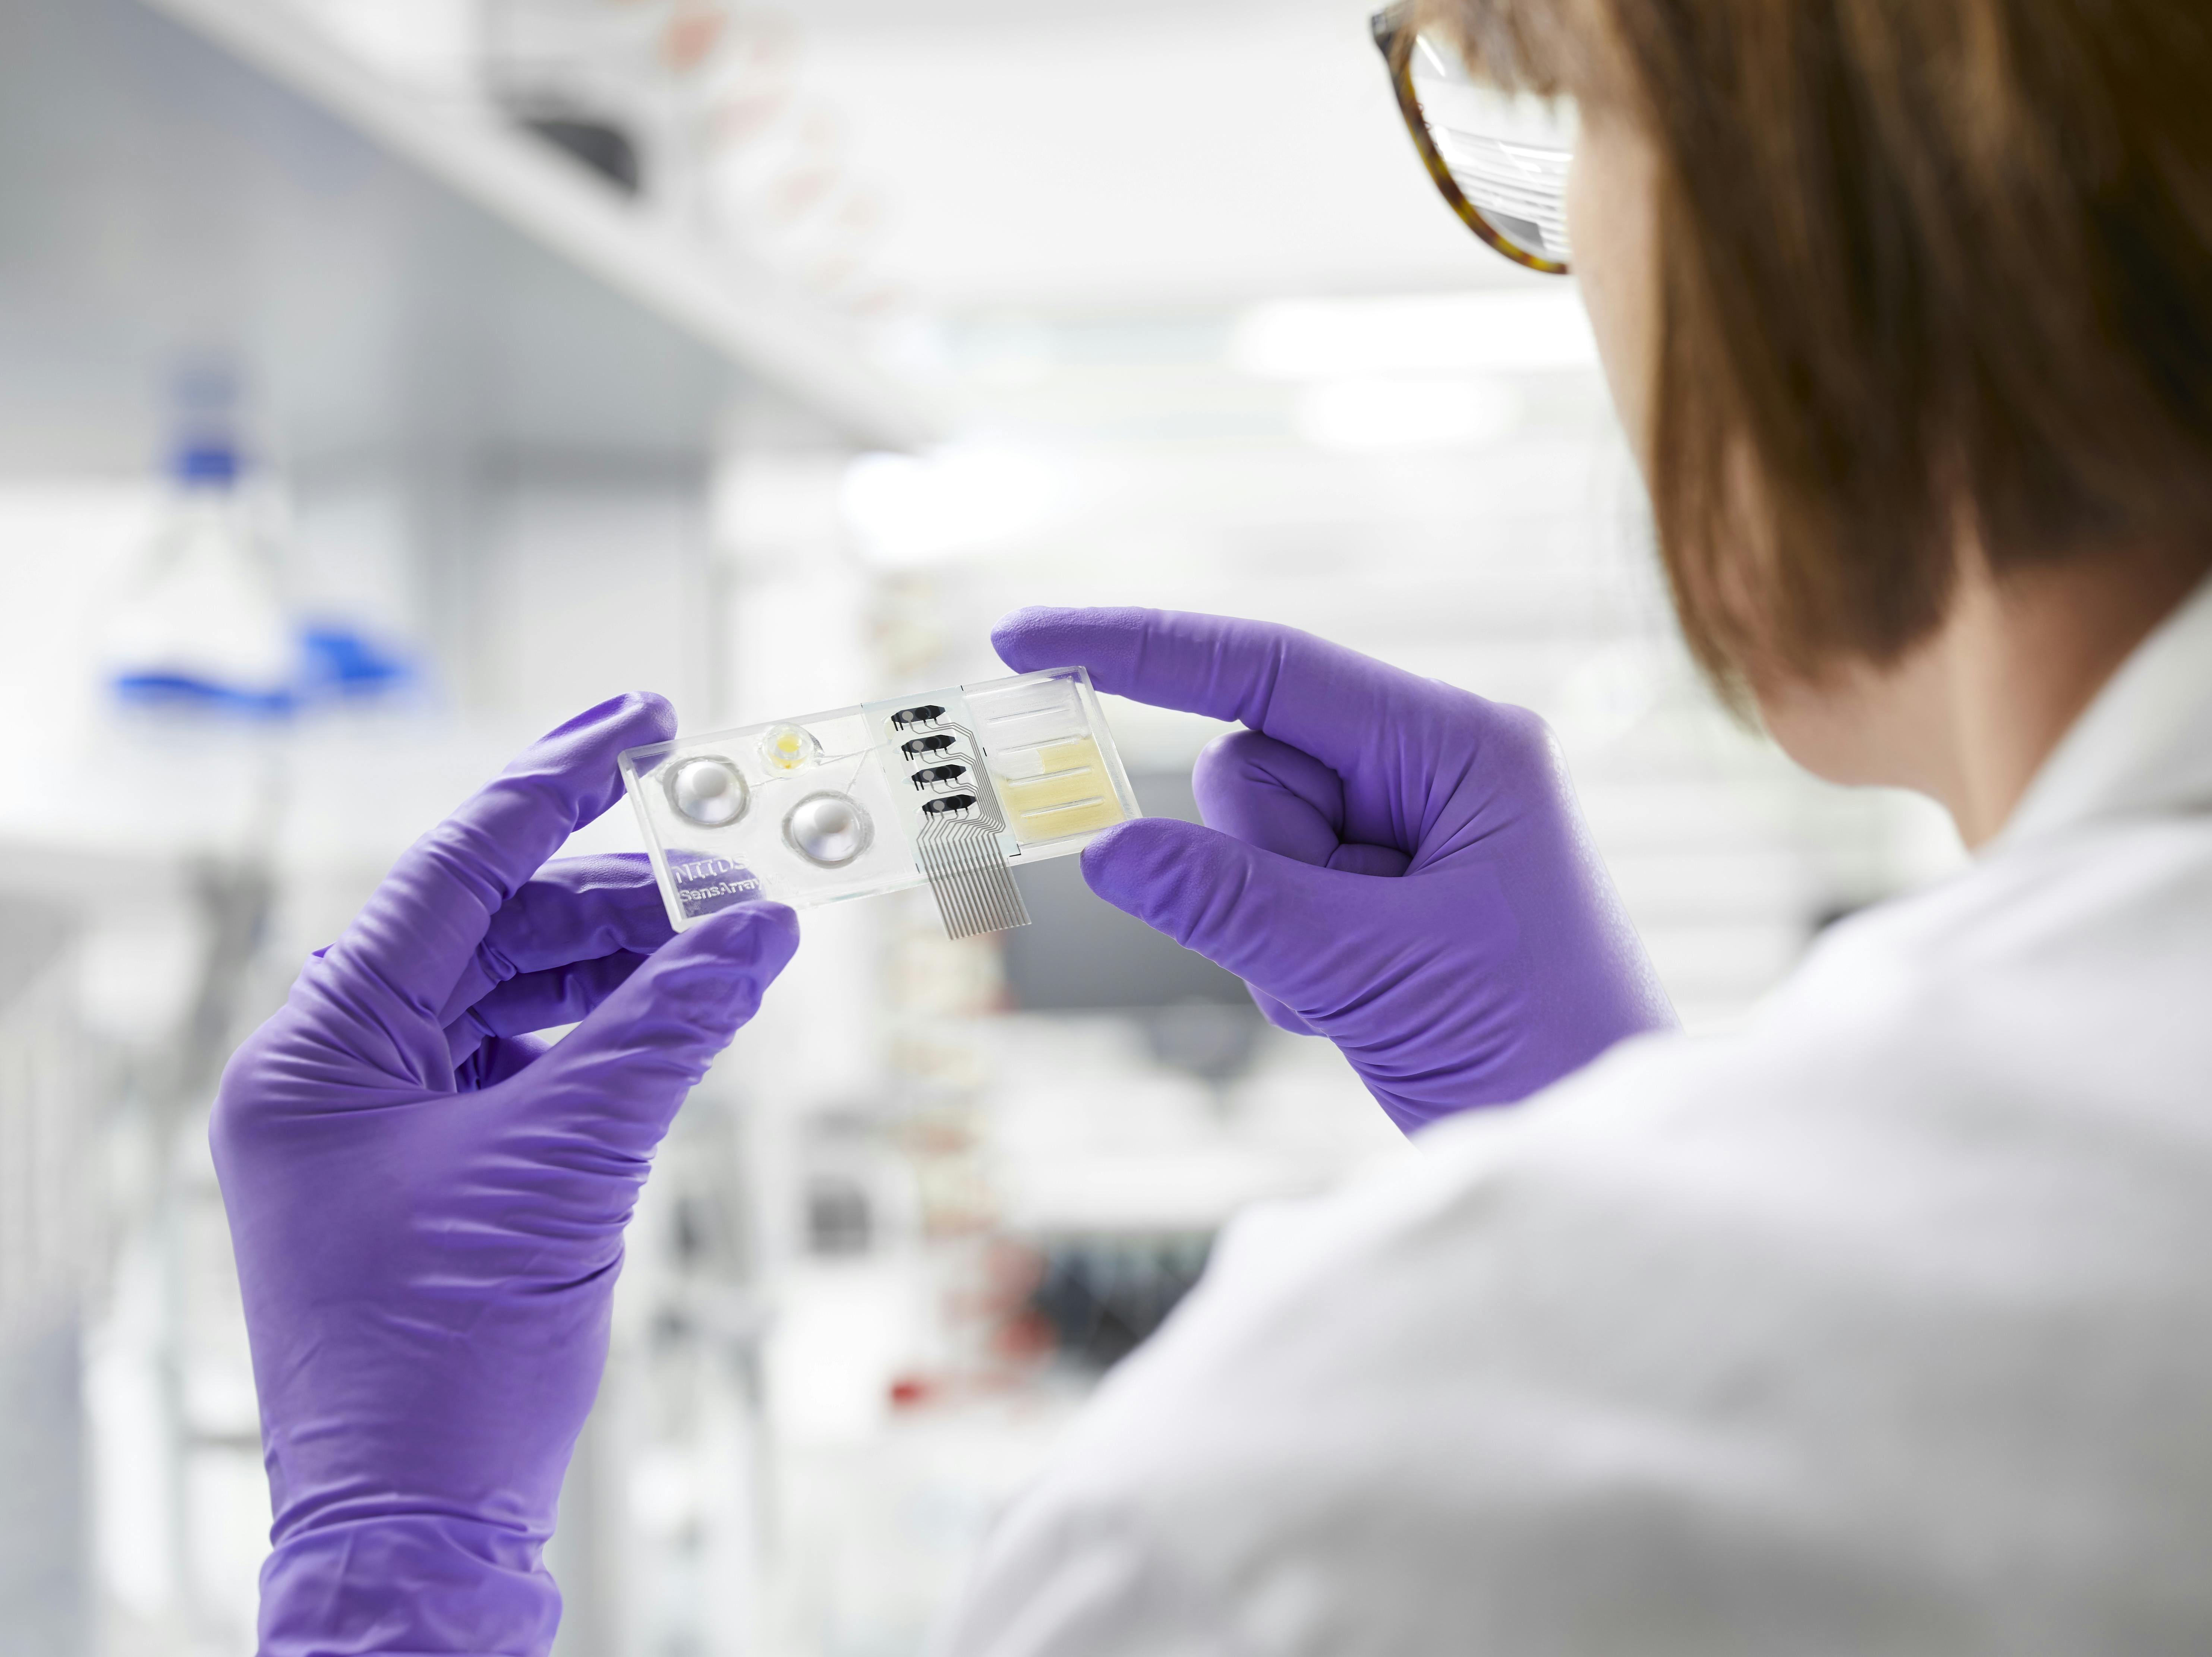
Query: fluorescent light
{"type": "Point", "coordinates": [906, 510]}
{"type": "Point", "coordinates": [1366, 415]}
{"type": "Point", "coordinates": [1511, 331]}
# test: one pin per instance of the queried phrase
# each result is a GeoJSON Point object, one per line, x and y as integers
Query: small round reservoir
{"type": "Point", "coordinates": [828, 830]}
{"type": "Point", "coordinates": [708, 791]}
{"type": "Point", "coordinates": [788, 747]}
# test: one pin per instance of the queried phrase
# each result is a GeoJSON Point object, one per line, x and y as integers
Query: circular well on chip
{"type": "Point", "coordinates": [708, 791]}
{"type": "Point", "coordinates": [831, 829]}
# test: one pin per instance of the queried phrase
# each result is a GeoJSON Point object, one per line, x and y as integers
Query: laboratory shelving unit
{"type": "Point", "coordinates": [189, 176]}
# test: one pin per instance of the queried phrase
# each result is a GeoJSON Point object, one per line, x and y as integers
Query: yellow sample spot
{"type": "Point", "coordinates": [1063, 789]}
{"type": "Point", "coordinates": [1059, 822]}
{"type": "Point", "coordinates": [788, 747]}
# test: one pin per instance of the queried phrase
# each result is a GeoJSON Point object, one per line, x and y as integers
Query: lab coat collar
{"type": "Point", "coordinates": [2143, 746]}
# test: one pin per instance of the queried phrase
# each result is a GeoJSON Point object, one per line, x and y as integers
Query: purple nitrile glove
{"type": "Point", "coordinates": [1392, 864]}
{"type": "Point", "coordinates": [426, 1202]}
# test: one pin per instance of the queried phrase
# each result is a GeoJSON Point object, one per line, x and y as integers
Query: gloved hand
{"type": "Point", "coordinates": [428, 1203]}
{"type": "Point", "coordinates": [1392, 864]}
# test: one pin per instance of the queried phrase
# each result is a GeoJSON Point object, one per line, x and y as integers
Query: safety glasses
{"type": "Point", "coordinates": [1500, 158]}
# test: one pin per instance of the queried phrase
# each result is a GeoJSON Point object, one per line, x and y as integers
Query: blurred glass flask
{"type": "Point", "coordinates": [202, 624]}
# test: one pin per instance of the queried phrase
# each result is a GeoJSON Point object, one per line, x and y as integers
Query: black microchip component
{"type": "Point", "coordinates": [930, 775]}
{"type": "Point", "coordinates": [927, 714]}
{"type": "Point", "coordinates": [922, 745]}
{"type": "Point", "coordinates": [948, 803]}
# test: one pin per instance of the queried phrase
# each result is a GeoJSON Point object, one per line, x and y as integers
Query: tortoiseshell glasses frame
{"type": "Point", "coordinates": [1397, 35]}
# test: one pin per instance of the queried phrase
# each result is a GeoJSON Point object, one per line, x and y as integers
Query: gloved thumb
{"type": "Point", "coordinates": [1233, 903]}
{"type": "Point", "coordinates": [619, 1077]}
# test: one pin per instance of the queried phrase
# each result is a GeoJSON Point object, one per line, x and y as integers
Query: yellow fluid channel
{"type": "Point", "coordinates": [1064, 790]}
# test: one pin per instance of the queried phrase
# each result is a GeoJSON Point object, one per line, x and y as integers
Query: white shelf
{"type": "Point", "coordinates": [737, 311]}
{"type": "Point", "coordinates": [187, 177]}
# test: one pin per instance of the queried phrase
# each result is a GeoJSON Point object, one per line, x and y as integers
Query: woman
{"type": "Point", "coordinates": [1879, 1326]}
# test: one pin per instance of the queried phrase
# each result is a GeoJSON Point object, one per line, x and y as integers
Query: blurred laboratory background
{"type": "Point", "coordinates": [382, 381]}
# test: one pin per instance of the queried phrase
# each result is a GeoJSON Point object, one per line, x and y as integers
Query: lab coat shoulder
{"type": "Point", "coordinates": [1884, 1323]}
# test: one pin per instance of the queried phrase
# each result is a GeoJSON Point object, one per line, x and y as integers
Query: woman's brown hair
{"type": "Point", "coordinates": [1926, 265]}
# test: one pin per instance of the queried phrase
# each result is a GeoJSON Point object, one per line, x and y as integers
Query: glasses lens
{"type": "Point", "coordinates": [1509, 151]}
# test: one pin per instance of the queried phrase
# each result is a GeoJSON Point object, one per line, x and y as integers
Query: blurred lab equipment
{"type": "Point", "coordinates": [1105, 1297]}
{"type": "Point", "coordinates": [203, 624]}
{"type": "Point", "coordinates": [583, 76]}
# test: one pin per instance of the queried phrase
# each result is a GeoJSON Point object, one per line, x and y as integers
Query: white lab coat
{"type": "Point", "coordinates": [1881, 1326]}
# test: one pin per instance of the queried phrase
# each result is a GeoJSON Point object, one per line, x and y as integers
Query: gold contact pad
{"type": "Point", "coordinates": [1065, 791]}
{"type": "Point", "coordinates": [1069, 754]}
{"type": "Point", "coordinates": [1058, 823]}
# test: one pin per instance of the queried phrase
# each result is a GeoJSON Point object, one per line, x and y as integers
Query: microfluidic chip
{"type": "Point", "coordinates": [952, 789]}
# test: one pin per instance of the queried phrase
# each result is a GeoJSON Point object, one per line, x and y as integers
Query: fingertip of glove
{"type": "Point", "coordinates": [1131, 852]}
{"type": "Point", "coordinates": [1112, 845]}
{"type": "Point", "coordinates": [644, 716]}
{"type": "Point", "coordinates": [1103, 639]}
{"type": "Point", "coordinates": [652, 710]}
{"type": "Point", "coordinates": [1022, 637]}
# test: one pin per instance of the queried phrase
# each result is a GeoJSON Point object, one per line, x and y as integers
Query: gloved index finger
{"type": "Point", "coordinates": [1334, 703]}
{"type": "Point", "coordinates": [421, 929]}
